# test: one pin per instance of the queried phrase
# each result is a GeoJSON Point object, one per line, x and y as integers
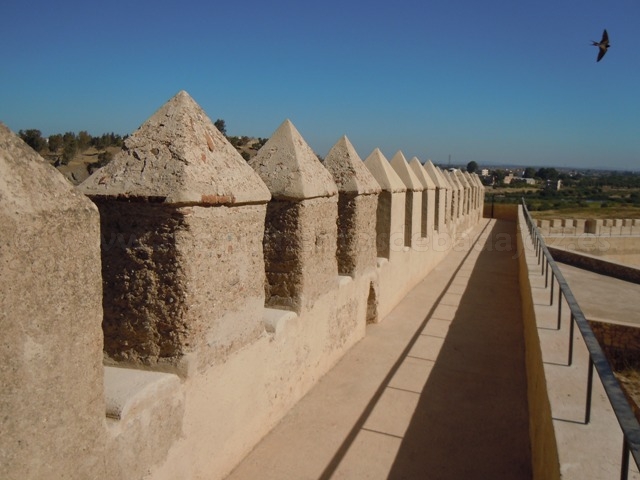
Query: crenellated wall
{"type": "Point", "coordinates": [162, 317]}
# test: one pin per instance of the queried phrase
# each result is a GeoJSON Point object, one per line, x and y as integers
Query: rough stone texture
{"type": "Point", "coordinates": [391, 184]}
{"type": "Point", "coordinates": [183, 272]}
{"type": "Point", "coordinates": [383, 224]}
{"type": "Point", "coordinates": [301, 225]}
{"type": "Point", "coordinates": [357, 249]}
{"type": "Point", "coordinates": [179, 280]}
{"type": "Point", "coordinates": [289, 167]}
{"type": "Point", "coordinates": [51, 399]}
{"type": "Point", "coordinates": [358, 198]}
{"type": "Point", "coordinates": [300, 251]}
{"type": "Point", "coordinates": [178, 156]}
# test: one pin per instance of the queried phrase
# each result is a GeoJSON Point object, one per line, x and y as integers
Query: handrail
{"type": "Point", "coordinates": [623, 411]}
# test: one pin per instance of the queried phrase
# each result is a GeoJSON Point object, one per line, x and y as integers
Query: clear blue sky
{"type": "Point", "coordinates": [496, 81]}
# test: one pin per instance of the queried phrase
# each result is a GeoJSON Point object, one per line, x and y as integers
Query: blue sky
{"type": "Point", "coordinates": [492, 81]}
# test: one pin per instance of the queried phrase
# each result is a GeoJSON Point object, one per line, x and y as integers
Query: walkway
{"type": "Point", "coordinates": [437, 390]}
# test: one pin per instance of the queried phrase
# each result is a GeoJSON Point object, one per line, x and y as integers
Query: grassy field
{"type": "Point", "coordinates": [592, 211]}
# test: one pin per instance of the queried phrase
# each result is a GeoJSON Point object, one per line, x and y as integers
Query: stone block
{"type": "Point", "coordinates": [182, 223]}
{"type": "Point", "coordinates": [51, 401]}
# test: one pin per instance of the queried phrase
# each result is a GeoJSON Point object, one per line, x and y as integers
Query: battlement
{"type": "Point", "coordinates": [160, 318]}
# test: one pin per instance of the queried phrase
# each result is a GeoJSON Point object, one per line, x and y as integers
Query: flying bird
{"type": "Point", "coordinates": [603, 45]}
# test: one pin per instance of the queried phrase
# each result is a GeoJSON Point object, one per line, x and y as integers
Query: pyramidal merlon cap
{"type": "Point", "coordinates": [178, 156]}
{"type": "Point", "coordinates": [287, 164]}
{"type": "Point", "coordinates": [421, 173]}
{"type": "Point", "coordinates": [348, 169]}
{"type": "Point", "coordinates": [384, 173]}
{"type": "Point", "coordinates": [405, 172]}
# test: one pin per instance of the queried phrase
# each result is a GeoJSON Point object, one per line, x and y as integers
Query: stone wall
{"type": "Point", "coordinates": [163, 329]}
{"type": "Point", "coordinates": [599, 227]}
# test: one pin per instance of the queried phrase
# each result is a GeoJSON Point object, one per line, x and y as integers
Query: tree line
{"type": "Point", "coordinates": [65, 146]}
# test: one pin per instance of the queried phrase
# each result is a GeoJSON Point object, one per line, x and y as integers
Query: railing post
{"type": "Point", "coordinates": [587, 414]}
{"type": "Point", "coordinates": [546, 278]}
{"type": "Point", "coordinates": [571, 341]}
{"type": "Point", "coordinates": [559, 308]}
{"type": "Point", "coordinates": [551, 294]}
{"type": "Point", "coordinates": [624, 468]}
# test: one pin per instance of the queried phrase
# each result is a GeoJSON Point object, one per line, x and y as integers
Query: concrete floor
{"type": "Point", "coordinates": [437, 390]}
{"type": "Point", "coordinates": [590, 451]}
{"type": "Point", "coordinates": [604, 298]}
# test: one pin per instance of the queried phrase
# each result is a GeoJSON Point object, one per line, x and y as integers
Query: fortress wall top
{"type": "Point", "coordinates": [427, 221]}
{"type": "Point", "coordinates": [50, 315]}
{"type": "Point", "coordinates": [182, 223]}
{"type": "Point", "coordinates": [187, 245]}
{"type": "Point", "coordinates": [300, 238]}
{"type": "Point", "coordinates": [357, 204]}
{"type": "Point", "coordinates": [413, 199]}
{"type": "Point", "coordinates": [390, 213]}
{"type": "Point", "coordinates": [440, 196]}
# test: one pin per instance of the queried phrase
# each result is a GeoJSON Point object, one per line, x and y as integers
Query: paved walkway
{"type": "Point", "coordinates": [437, 390]}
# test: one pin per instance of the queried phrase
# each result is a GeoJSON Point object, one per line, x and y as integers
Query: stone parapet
{"type": "Point", "coordinates": [578, 226]}
{"type": "Point", "coordinates": [181, 224]}
{"type": "Point", "coordinates": [357, 204]}
{"type": "Point", "coordinates": [427, 220]}
{"type": "Point", "coordinates": [163, 333]}
{"type": "Point", "coordinates": [441, 207]}
{"type": "Point", "coordinates": [300, 228]}
{"type": "Point", "coordinates": [391, 209]}
{"type": "Point", "coordinates": [51, 401]}
{"type": "Point", "coordinates": [413, 199]}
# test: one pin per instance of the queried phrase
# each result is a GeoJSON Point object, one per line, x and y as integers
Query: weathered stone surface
{"type": "Point", "coordinates": [300, 251]}
{"type": "Point", "coordinates": [51, 399]}
{"type": "Point", "coordinates": [348, 170]}
{"type": "Point", "coordinates": [178, 156]}
{"type": "Point", "coordinates": [289, 167]}
{"type": "Point", "coordinates": [384, 173]}
{"type": "Point", "coordinates": [357, 204]}
{"type": "Point", "coordinates": [180, 280]}
{"type": "Point", "coordinates": [356, 233]}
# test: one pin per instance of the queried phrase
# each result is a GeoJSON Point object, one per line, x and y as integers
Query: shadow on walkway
{"type": "Point", "coordinates": [437, 390]}
{"type": "Point", "coordinates": [472, 419]}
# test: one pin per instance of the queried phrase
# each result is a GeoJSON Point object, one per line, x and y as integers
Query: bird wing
{"type": "Point", "coordinates": [605, 37]}
{"type": "Point", "coordinates": [601, 53]}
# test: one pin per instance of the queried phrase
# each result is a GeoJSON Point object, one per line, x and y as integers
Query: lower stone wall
{"type": "Point", "coordinates": [544, 450]}
{"type": "Point", "coordinates": [597, 265]}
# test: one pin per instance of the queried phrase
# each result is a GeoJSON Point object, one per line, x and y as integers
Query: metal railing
{"type": "Point", "coordinates": [623, 411]}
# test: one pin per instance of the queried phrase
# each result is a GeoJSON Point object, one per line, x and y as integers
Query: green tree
{"type": "Point", "coordinates": [55, 142]}
{"type": "Point", "coordinates": [547, 173]}
{"type": "Point", "coordinates": [84, 140]}
{"type": "Point", "coordinates": [472, 167]}
{"type": "Point", "coordinates": [33, 138]}
{"type": "Point", "coordinates": [529, 172]}
{"type": "Point", "coordinates": [220, 125]}
{"type": "Point", "coordinates": [70, 147]}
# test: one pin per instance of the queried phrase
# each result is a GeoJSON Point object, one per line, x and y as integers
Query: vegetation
{"type": "Point", "coordinates": [591, 193]}
{"type": "Point", "coordinates": [60, 149]}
